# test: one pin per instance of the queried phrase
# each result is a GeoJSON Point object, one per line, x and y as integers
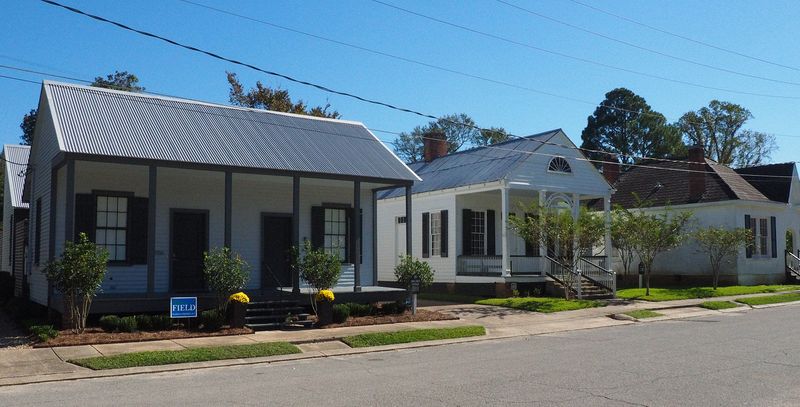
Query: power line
{"type": "Point", "coordinates": [683, 37]}
{"type": "Point", "coordinates": [650, 50]}
{"type": "Point", "coordinates": [574, 57]}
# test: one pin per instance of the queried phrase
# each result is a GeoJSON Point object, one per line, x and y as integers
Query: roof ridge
{"type": "Point", "coordinates": [515, 139]}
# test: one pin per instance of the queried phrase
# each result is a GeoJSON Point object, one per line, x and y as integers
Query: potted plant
{"type": "Point", "coordinates": [324, 300]}
{"type": "Point", "coordinates": [237, 309]}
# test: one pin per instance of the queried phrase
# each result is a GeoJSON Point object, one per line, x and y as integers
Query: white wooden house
{"type": "Point", "coordinates": [15, 215]}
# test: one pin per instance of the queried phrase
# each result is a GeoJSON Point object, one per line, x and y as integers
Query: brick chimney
{"type": "Point", "coordinates": [611, 168]}
{"type": "Point", "coordinates": [697, 178]}
{"type": "Point", "coordinates": [435, 145]}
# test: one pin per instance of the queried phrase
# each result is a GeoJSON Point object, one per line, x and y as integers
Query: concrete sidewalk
{"type": "Point", "coordinates": [20, 366]}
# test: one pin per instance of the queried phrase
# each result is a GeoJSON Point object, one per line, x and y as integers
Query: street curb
{"type": "Point", "coordinates": [778, 304]}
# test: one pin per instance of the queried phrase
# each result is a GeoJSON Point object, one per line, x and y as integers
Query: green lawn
{"type": "Point", "coordinates": [770, 299]}
{"type": "Point", "coordinates": [717, 305]}
{"type": "Point", "coordinates": [168, 357]}
{"type": "Point", "coordinates": [541, 304]}
{"type": "Point", "coordinates": [670, 294]}
{"type": "Point", "coordinates": [643, 313]}
{"type": "Point", "coordinates": [414, 335]}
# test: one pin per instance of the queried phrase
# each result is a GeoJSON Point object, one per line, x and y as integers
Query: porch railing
{"type": "Point", "coordinates": [565, 275]}
{"type": "Point", "coordinates": [792, 265]}
{"type": "Point", "coordinates": [479, 266]}
{"type": "Point", "coordinates": [598, 274]}
{"type": "Point", "coordinates": [526, 265]}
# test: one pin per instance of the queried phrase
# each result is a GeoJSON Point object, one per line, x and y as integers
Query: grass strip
{"type": "Point", "coordinates": [414, 335]}
{"type": "Point", "coordinates": [671, 294]}
{"type": "Point", "coordinates": [718, 305]}
{"type": "Point", "coordinates": [770, 299]}
{"type": "Point", "coordinates": [643, 314]}
{"type": "Point", "coordinates": [445, 297]}
{"type": "Point", "coordinates": [168, 357]}
{"type": "Point", "coordinates": [541, 304]}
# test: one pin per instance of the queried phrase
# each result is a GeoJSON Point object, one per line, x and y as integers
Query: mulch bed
{"type": "Point", "coordinates": [96, 336]}
{"type": "Point", "coordinates": [422, 315]}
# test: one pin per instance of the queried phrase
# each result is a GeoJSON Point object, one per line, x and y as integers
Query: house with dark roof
{"type": "Point", "coordinates": [15, 215]}
{"type": "Point", "coordinates": [761, 198]}
{"type": "Point", "coordinates": [461, 210]}
{"type": "Point", "coordinates": [157, 181]}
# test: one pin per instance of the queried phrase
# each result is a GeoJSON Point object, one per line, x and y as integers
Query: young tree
{"type": "Point", "coordinates": [565, 233]}
{"type": "Point", "coordinates": [655, 233]}
{"type": "Point", "coordinates": [411, 267]}
{"type": "Point", "coordinates": [321, 270]}
{"type": "Point", "coordinates": [621, 225]}
{"type": "Point", "coordinates": [459, 129]}
{"type": "Point", "coordinates": [77, 274]}
{"type": "Point", "coordinates": [626, 125]}
{"type": "Point", "coordinates": [225, 273]}
{"type": "Point", "coordinates": [721, 244]}
{"type": "Point", "coordinates": [27, 126]}
{"type": "Point", "coordinates": [278, 100]}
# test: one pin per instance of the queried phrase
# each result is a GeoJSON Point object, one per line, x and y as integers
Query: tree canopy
{"type": "Point", "coordinates": [626, 125]}
{"type": "Point", "coordinates": [718, 127]}
{"type": "Point", "coordinates": [264, 97]}
{"type": "Point", "coordinates": [460, 130]}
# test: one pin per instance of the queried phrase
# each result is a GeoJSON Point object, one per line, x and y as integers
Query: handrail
{"type": "Point", "coordinates": [598, 275]}
{"type": "Point", "coordinates": [558, 272]}
{"type": "Point", "coordinates": [792, 263]}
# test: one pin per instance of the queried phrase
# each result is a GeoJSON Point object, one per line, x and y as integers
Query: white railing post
{"type": "Point", "coordinates": [579, 289]}
{"type": "Point", "coordinates": [614, 283]}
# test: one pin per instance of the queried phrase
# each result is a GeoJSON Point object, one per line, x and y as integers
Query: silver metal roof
{"type": "Point", "coordinates": [131, 125]}
{"type": "Point", "coordinates": [16, 159]}
{"type": "Point", "coordinates": [474, 166]}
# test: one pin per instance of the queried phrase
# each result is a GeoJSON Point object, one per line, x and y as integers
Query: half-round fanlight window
{"type": "Point", "coordinates": [559, 164]}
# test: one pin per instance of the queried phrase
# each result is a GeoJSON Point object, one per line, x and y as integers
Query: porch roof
{"type": "Point", "coordinates": [103, 122]}
{"type": "Point", "coordinates": [16, 162]}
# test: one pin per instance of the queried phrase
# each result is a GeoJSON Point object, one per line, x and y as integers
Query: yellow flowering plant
{"type": "Point", "coordinates": [239, 297]}
{"type": "Point", "coordinates": [325, 295]}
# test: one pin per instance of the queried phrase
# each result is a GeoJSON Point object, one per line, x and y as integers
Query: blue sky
{"type": "Point", "coordinates": [42, 37]}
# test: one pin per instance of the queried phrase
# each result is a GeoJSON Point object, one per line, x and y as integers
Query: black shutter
{"type": "Point", "coordinates": [350, 238]}
{"type": "Point", "coordinates": [490, 244]}
{"type": "Point", "coordinates": [137, 230]}
{"type": "Point", "coordinates": [84, 215]}
{"type": "Point", "coordinates": [531, 248]}
{"type": "Point", "coordinates": [774, 236]}
{"type": "Point", "coordinates": [361, 233]}
{"type": "Point", "coordinates": [466, 232]}
{"type": "Point", "coordinates": [317, 226]}
{"type": "Point", "coordinates": [426, 236]}
{"type": "Point", "coordinates": [748, 226]}
{"type": "Point", "coordinates": [444, 240]}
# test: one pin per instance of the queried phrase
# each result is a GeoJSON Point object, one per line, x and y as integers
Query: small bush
{"type": "Point", "coordinates": [127, 324]}
{"type": "Point", "coordinates": [144, 322]}
{"type": "Point", "coordinates": [109, 323]}
{"type": "Point", "coordinates": [360, 310]}
{"type": "Point", "coordinates": [161, 322]}
{"type": "Point", "coordinates": [43, 332]}
{"type": "Point", "coordinates": [340, 313]}
{"type": "Point", "coordinates": [212, 320]}
{"type": "Point", "coordinates": [393, 308]}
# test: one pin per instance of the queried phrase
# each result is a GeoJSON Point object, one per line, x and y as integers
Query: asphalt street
{"type": "Point", "coordinates": [750, 358]}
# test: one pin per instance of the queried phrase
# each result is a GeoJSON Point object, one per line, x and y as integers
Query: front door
{"type": "Point", "coordinates": [189, 241]}
{"type": "Point", "coordinates": [276, 243]}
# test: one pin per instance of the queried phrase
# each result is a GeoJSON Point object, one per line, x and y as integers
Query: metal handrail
{"type": "Point", "coordinates": [792, 263]}
{"type": "Point", "coordinates": [596, 274]}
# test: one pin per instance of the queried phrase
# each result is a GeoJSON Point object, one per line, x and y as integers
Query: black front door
{"type": "Point", "coordinates": [276, 243]}
{"type": "Point", "coordinates": [189, 241]}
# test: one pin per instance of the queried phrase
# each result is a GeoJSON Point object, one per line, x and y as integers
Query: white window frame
{"type": "Point", "coordinates": [333, 240]}
{"type": "Point", "coordinates": [761, 238]}
{"type": "Point", "coordinates": [111, 225]}
{"type": "Point", "coordinates": [481, 232]}
{"type": "Point", "coordinates": [435, 233]}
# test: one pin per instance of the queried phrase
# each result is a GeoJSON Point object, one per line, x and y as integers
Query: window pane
{"type": "Point", "coordinates": [100, 236]}
{"type": "Point", "coordinates": [102, 203]}
{"type": "Point", "coordinates": [101, 219]}
{"type": "Point", "coordinates": [122, 220]}
{"type": "Point", "coordinates": [122, 204]}
{"type": "Point", "coordinates": [120, 237]}
{"type": "Point", "coordinates": [120, 252]}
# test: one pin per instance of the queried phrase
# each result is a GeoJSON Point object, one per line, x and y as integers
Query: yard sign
{"type": "Point", "coordinates": [183, 307]}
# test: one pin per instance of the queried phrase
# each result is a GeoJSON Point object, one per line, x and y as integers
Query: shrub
{"type": "Point", "coordinates": [161, 322]}
{"type": "Point", "coordinates": [109, 323]}
{"type": "Point", "coordinates": [225, 272]}
{"type": "Point", "coordinates": [43, 332]}
{"type": "Point", "coordinates": [340, 313]}
{"type": "Point", "coordinates": [127, 324]}
{"type": "Point", "coordinates": [77, 274]}
{"type": "Point", "coordinates": [409, 268]}
{"type": "Point", "coordinates": [239, 297]}
{"type": "Point", "coordinates": [212, 320]}
{"type": "Point", "coordinates": [321, 270]}
{"type": "Point", "coordinates": [393, 307]}
{"type": "Point", "coordinates": [360, 310]}
{"type": "Point", "coordinates": [144, 322]}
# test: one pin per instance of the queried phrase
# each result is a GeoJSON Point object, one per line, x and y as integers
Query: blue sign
{"type": "Point", "coordinates": [183, 307]}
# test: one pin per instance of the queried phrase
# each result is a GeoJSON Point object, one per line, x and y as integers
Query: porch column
{"type": "Point", "coordinates": [576, 249]}
{"type": "Point", "coordinates": [542, 240]}
{"type": "Point", "coordinates": [409, 219]}
{"type": "Point", "coordinates": [356, 235]}
{"type": "Point", "coordinates": [296, 230]}
{"type": "Point", "coordinates": [152, 187]}
{"type": "Point", "coordinates": [228, 207]}
{"type": "Point", "coordinates": [607, 243]}
{"type": "Point", "coordinates": [504, 231]}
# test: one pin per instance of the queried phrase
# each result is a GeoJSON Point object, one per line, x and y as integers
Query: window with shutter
{"type": "Point", "coordinates": [111, 226]}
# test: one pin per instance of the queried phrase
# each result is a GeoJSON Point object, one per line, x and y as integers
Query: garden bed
{"type": "Point", "coordinates": [96, 336]}
{"type": "Point", "coordinates": [422, 315]}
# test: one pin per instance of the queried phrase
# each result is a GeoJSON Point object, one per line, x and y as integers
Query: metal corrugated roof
{"type": "Point", "coordinates": [131, 125]}
{"type": "Point", "coordinates": [473, 166]}
{"type": "Point", "coordinates": [16, 159]}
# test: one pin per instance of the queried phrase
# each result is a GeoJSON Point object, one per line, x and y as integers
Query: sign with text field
{"type": "Point", "coordinates": [183, 307]}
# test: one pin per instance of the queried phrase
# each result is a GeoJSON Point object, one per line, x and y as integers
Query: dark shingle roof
{"type": "Point", "coordinates": [667, 183]}
{"type": "Point", "coordinates": [473, 166]}
{"type": "Point", "coordinates": [132, 125]}
{"type": "Point", "coordinates": [16, 157]}
{"type": "Point", "coordinates": [771, 181]}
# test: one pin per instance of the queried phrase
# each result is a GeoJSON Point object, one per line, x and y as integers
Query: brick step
{"type": "Point", "coordinates": [268, 311]}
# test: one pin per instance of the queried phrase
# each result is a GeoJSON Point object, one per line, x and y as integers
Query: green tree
{"type": "Point", "coordinates": [411, 267]}
{"type": "Point", "coordinates": [459, 129]}
{"type": "Point", "coordinates": [719, 129]}
{"type": "Point", "coordinates": [78, 274]}
{"type": "Point", "coordinates": [565, 234]}
{"type": "Point", "coordinates": [721, 245]}
{"type": "Point", "coordinates": [118, 80]}
{"type": "Point", "coordinates": [278, 100]}
{"type": "Point", "coordinates": [621, 225]}
{"type": "Point", "coordinates": [225, 273]}
{"type": "Point", "coordinates": [626, 125]}
{"type": "Point", "coordinates": [320, 269]}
